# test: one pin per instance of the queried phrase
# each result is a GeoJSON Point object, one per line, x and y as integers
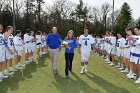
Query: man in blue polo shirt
{"type": "Point", "coordinates": [53, 41]}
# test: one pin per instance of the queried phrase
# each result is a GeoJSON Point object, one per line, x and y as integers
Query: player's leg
{"type": "Point", "coordinates": [138, 81]}
{"type": "Point", "coordinates": [11, 69]}
{"type": "Point", "coordinates": [26, 54]}
{"type": "Point", "coordinates": [2, 59]}
{"type": "Point", "coordinates": [132, 75]}
{"type": "Point", "coordinates": [87, 57]}
{"type": "Point", "coordinates": [1, 65]}
{"type": "Point", "coordinates": [6, 73]}
{"type": "Point", "coordinates": [38, 51]}
{"type": "Point", "coordinates": [127, 66]}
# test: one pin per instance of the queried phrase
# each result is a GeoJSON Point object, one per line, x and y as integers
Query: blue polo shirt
{"type": "Point", "coordinates": [53, 41]}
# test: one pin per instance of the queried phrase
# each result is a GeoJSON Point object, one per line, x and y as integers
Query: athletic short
{"type": "Point", "coordinates": [43, 44]}
{"type": "Point", "coordinates": [32, 48]}
{"type": "Point", "coordinates": [111, 50]}
{"type": "Point", "coordinates": [9, 55]}
{"type": "Point", "coordinates": [120, 52]}
{"type": "Point", "coordinates": [27, 49]}
{"type": "Point", "coordinates": [19, 52]}
{"type": "Point", "coordinates": [102, 47]}
{"type": "Point", "coordinates": [126, 53]}
{"type": "Point", "coordinates": [39, 45]}
{"type": "Point", "coordinates": [85, 56]}
{"type": "Point", "coordinates": [134, 58]}
{"type": "Point", "coordinates": [2, 55]}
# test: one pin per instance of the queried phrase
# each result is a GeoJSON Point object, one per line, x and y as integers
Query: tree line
{"type": "Point", "coordinates": [66, 15]}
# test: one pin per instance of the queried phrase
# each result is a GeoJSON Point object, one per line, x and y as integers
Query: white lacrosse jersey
{"type": "Point", "coordinates": [86, 42]}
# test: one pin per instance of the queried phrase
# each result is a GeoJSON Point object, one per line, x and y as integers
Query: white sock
{"type": "Point", "coordinates": [119, 64]}
{"type": "Point", "coordinates": [131, 71]}
{"type": "Point", "coordinates": [82, 68]}
{"type": "Point", "coordinates": [85, 66]}
{"type": "Point", "coordinates": [16, 65]}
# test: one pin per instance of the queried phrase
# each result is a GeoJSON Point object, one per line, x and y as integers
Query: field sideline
{"type": "Point", "coordinates": [37, 77]}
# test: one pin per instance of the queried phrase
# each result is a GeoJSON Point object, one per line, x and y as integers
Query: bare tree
{"type": "Point", "coordinates": [106, 7]}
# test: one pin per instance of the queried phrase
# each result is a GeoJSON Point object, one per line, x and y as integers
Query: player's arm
{"type": "Point", "coordinates": [8, 49]}
{"type": "Point", "coordinates": [79, 48]}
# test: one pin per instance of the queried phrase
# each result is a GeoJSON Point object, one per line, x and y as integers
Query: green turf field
{"type": "Point", "coordinates": [37, 77]}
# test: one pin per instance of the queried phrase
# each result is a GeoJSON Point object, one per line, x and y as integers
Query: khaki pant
{"type": "Point", "coordinates": [54, 57]}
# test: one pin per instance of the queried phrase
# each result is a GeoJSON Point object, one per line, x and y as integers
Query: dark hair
{"type": "Point", "coordinates": [38, 33]}
{"type": "Point", "coordinates": [138, 27]}
{"type": "Point", "coordinates": [129, 29]}
{"type": "Point", "coordinates": [107, 32]}
{"type": "Point", "coordinates": [120, 33]}
{"type": "Point", "coordinates": [18, 31]}
{"type": "Point", "coordinates": [94, 35]}
{"type": "Point", "coordinates": [28, 31]}
{"type": "Point", "coordinates": [113, 33]}
{"type": "Point", "coordinates": [8, 27]}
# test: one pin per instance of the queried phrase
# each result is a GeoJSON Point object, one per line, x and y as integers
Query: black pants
{"type": "Point", "coordinates": [68, 60]}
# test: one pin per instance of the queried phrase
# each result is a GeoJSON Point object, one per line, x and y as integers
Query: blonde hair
{"type": "Point", "coordinates": [32, 33]}
{"type": "Point", "coordinates": [71, 31]}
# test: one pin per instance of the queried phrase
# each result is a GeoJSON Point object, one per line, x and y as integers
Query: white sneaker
{"type": "Point", "coordinates": [102, 56]}
{"type": "Point", "coordinates": [133, 76]}
{"type": "Point", "coordinates": [106, 59]}
{"type": "Point", "coordinates": [11, 73]}
{"type": "Point", "coordinates": [129, 74]}
{"type": "Point", "coordinates": [118, 66]}
{"type": "Point", "coordinates": [85, 70]}
{"type": "Point", "coordinates": [27, 62]}
{"type": "Point", "coordinates": [11, 69]}
{"type": "Point", "coordinates": [121, 68]}
{"type": "Point", "coordinates": [137, 81]}
{"type": "Point", "coordinates": [125, 71]}
{"type": "Point", "coordinates": [82, 72]}
{"type": "Point", "coordinates": [109, 62]}
{"type": "Point", "coordinates": [5, 76]}
{"type": "Point", "coordinates": [6, 73]}
{"type": "Point", "coordinates": [112, 64]}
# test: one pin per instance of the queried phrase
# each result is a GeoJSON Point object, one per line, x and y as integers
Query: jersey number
{"type": "Point", "coordinates": [86, 43]}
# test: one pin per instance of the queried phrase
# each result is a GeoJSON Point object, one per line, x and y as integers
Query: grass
{"type": "Point", "coordinates": [37, 77]}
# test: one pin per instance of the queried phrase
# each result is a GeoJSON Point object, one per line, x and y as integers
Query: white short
{"type": "Point", "coordinates": [32, 47]}
{"type": "Point", "coordinates": [39, 46]}
{"type": "Point", "coordinates": [43, 44]}
{"type": "Point", "coordinates": [120, 52]}
{"type": "Point", "coordinates": [27, 49]}
{"type": "Point", "coordinates": [9, 55]}
{"type": "Point", "coordinates": [134, 59]}
{"type": "Point", "coordinates": [126, 53]}
{"type": "Point", "coordinates": [19, 52]}
{"type": "Point", "coordinates": [102, 47]}
{"type": "Point", "coordinates": [2, 55]}
{"type": "Point", "coordinates": [111, 50]}
{"type": "Point", "coordinates": [85, 56]}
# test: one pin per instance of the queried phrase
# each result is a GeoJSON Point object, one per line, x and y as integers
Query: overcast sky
{"type": "Point", "coordinates": [134, 4]}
